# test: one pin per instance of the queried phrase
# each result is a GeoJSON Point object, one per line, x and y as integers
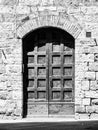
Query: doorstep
{"type": "Point", "coordinates": [50, 120]}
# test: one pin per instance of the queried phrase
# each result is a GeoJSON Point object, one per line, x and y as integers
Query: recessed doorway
{"type": "Point", "coordinates": [48, 73]}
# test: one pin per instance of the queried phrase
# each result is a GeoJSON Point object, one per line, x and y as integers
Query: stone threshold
{"type": "Point", "coordinates": [48, 120]}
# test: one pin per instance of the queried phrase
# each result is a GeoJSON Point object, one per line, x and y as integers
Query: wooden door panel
{"type": "Point", "coordinates": [31, 95]}
{"type": "Point", "coordinates": [56, 48]}
{"type": "Point", "coordinates": [41, 71]}
{"type": "Point", "coordinates": [37, 109]}
{"type": "Point", "coordinates": [50, 74]}
{"type": "Point", "coordinates": [56, 83]}
{"type": "Point", "coordinates": [41, 83]}
{"type": "Point", "coordinates": [67, 95]}
{"type": "Point", "coordinates": [56, 95]}
{"type": "Point", "coordinates": [31, 59]}
{"type": "Point", "coordinates": [61, 109]}
{"type": "Point", "coordinates": [68, 59]}
{"type": "Point", "coordinates": [68, 83]}
{"type": "Point", "coordinates": [41, 59]}
{"type": "Point", "coordinates": [31, 72]}
{"type": "Point", "coordinates": [60, 80]}
{"type": "Point", "coordinates": [56, 71]}
{"type": "Point", "coordinates": [37, 82]}
{"type": "Point", "coordinates": [68, 71]}
{"type": "Point", "coordinates": [41, 94]}
{"type": "Point", "coordinates": [56, 59]}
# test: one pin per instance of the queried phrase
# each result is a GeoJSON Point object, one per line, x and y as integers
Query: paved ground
{"type": "Point", "coordinates": [81, 125]}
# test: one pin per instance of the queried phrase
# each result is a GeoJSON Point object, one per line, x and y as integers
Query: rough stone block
{"type": "Point", "coordinates": [91, 94]}
{"type": "Point", "coordinates": [91, 18]}
{"type": "Point", "coordinates": [30, 2]}
{"type": "Point", "coordinates": [10, 107]}
{"type": "Point", "coordinates": [9, 17]}
{"type": "Point", "coordinates": [79, 93]}
{"type": "Point", "coordinates": [7, 26]}
{"type": "Point", "coordinates": [7, 9]}
{"type": "Point", "coordinates": [79, 75]}
{"type": "Point", "coordinates": [19, 104]}
{"type": "Point", "coordinates": [15, 85]}
{"type": "Point", "coordinates": [87, 42]}
{"type": "Point", "coordinates": [94, 101]}
{"type": "Point", "coordinates": [85, 58]}
{"type": "Point", "coordinates": [94, 49]}
{"type": "Point", "coordinates": [3, 78]}
{"type": "Point", "coordinates": [91, 10]}
{"type": "Point", "coordinates": [96, 75]}
{"type": "Point", "coordinates": [80, 109]}
{"type": "Point", "coordinates": [17, 112]}
{"type": "Point", "coordinates": [2, 103]}
{"type": "Point", "coordinates": [89, 75]}
{"type": "Point", "coordinates": [17, 95]}
{"type": "Point", "coordinates": [86, 49]}
{"type": "Point", "coordinates": [84, 116]}
{"type": "Point", "coordinates": [93, 66]}
{"type": "Point", "coordinates": [1, 18]}
{"type": "Point", "coordinates": [78, 101]}
{"type": "Point", "coordinates": [90, 49]}
{"type": "Point", "coordinates": [90, 109]}
{"type": "Point", "coordinates": [96, 108]}
{"type": "Point", "coordinates": [94, 116]}
{"type": "Point", "coordinates": [2, 110]}
{"type": "Point", "coordinates": [93, 85]}
{"type": "Point", "coordinates": [3, 86]}
{"type": "Point", "coordinates": [14, 77]}
{"type": "Point", "coordinates": [1, 57]}
{"type": "Point", "coordinates": [89, 58]}
{"type": "Point", "coordinates": [46, 2]}
{"type": "Point", "coordinates": [96, 57]}
{"type": "Point", "coordinates": [3, 95]}
{"type": "Point", "coordinates": [86, 101]}
{"type": "Point", "coordinates": [78, 84]}
{"type": "Point", "coordinates": [85, 85]}
{"type": "Point", "coordinates": [96, 40]}
{"type": "Point", "coordinates": [2, 69]}
{"type": "Point", "coordinates": [9, 2]}
{"type": "Point", "coordinates": [23, 10]}
{"type": "Point", "coordinates": [81, 66]}
{"type": "Point", "coordinates": [77, 116]}
{"type": "Point", "coordinates": [8, 34]}
{"type": "Point", "coordinates": [14, 69]}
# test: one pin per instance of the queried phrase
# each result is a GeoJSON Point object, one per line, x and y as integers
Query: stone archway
{"type": "Point", "coordinates": [30, 24]}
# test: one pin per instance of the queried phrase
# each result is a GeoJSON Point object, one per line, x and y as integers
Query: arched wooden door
{"type": "Point", "coordinates": [48, 73]}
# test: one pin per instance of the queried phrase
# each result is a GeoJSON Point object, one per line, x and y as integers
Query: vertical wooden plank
{"type": "Point", "coordinates": [47, 71]}
{"type": "Point", "coordinates": [50, 71]}
{"type": "Point", "coordinates": [62, 60]}
{"type": "Point", "coordinates": [35, 77]}
{"type": "Point", "coordinates": [73, 74]}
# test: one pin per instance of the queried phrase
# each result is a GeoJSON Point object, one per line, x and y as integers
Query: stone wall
{"type": "Point", "coordinates": [79, 18]}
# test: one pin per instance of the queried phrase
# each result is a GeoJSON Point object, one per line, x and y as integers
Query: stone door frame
{"type": "Point", "coordinates": [26, 27]}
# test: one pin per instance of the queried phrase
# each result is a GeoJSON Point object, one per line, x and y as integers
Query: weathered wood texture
{"type": "Point", "coordinates": [50, 76]}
